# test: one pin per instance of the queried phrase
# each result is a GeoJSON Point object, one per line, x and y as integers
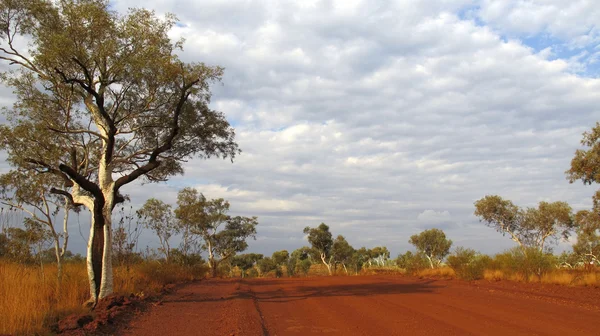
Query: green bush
{"type": "Point", "coordinates": [468, 264]}
{"type": "Point", "coordinates": [412, 262]}
{"type": "Point", "coordinates": [304, 266]}
{"type": "Point", "coordinates": [524, 262]}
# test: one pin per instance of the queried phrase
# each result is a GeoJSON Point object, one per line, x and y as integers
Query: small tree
{"type": "Point", "coordinates": [433, 244]}
{"type": "Point", "coordinates": [245, 262]}
{"type": "Point", "coordinates": [321, 240]}
{"type": "Point", "coordinates": [298, 257]}
{"type": "Point", "coordinates": [126, 234]}
{"type": "Point", "coordinates": [280, 258]}
{"type": "Point", "coordinates": [158, 216]}
{"type": "Point", "coordinates": [468, 263]}
{"type": "Point", "coordinates": [379, 255]}
{"type": "Point", "coordinates": [587, 247]}
{"type": "Point", "coordinates": [223, 236]}
{"type": "Point", "coordinates": [359, 257]}
{"type": "Point", "coordinates": [265, 265]}
{"type": "Point", "coordinates": [412, 262]}
{"type": "Point", "coordinates": [341, 252]}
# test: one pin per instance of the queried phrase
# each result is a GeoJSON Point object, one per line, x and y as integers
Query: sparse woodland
{"type": "Point", "coordinates": [102, 101]}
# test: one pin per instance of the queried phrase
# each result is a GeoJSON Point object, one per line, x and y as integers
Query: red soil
{"type": "Point", "coordinates": [371, 305]}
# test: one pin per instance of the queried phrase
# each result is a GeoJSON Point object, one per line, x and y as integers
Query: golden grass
{"type": "Point", "coordinates": [442, 272]}
{"type": "Point", "coordinates": [389, 270]}
{"type": "Point", "coordinates": [29, 301]}
{"type": "Point", "coordinates": [557, 277]}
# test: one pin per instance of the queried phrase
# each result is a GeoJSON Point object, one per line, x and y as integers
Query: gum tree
{"type": "Point", "coordinates": [320, 239]}
{"type": "Point", "coordinates": [433, 244]}
{"type": "Point", "coordinates": [158, 216]}
{"type": "Point", "coordinates": [223, 235]}
{"type": "Point", "coordinates": [102, 100]}
{"type": "Point", "coordinates": [529, 227]}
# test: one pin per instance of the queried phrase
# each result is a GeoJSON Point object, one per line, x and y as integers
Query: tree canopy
{"type": "Point", "coordinates": [223, 235]}
{"type": "Point", "coordinates": [433, 244]}
{"type": "Point", "coordinates": [530, 227]}
{"type": "Point", "coordinates": [320, 239]}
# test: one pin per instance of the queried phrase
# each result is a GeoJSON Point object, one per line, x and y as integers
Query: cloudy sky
{"type": "Point", "coordinates": [385, 118]}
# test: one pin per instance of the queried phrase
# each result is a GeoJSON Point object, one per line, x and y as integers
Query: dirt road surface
{"type": "Point", "coordinates": [371, 305]}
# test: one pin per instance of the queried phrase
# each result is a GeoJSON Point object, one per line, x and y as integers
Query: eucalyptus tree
{"type": "Point", "coordinates": [158, 216]}
{"type": "Point", "coordinates": [433, 244]}
{"type": "Point", "coordinates": [585, 167]}
{"type": "Point", "coordinates": [529, 227]}
{"type": "Point", "coordinates": [587, 247]}
{"type": "Point", "coordinates": [102, 100]}
{"type": "Point", "coordinates": [320, 239]}
{"type": "Point", "coordinates": [379, 254]}
{"type": "Point", "coordinates": [341, 252]}
{"type": "Point", "coordinates": [223, 235]}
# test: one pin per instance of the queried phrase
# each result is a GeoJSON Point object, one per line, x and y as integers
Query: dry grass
{"type": "Point", "coordinates": [442, 272]}
{"type": "Point", "coordinates": [557, 277]}
{"type": "Point", "coordinates": [390, 270]}
{"type": "Point", "coordinates": [30, 303]}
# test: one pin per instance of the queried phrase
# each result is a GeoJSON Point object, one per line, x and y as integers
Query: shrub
{"type": "Point", "coordinates": [411, 262]}
{"type": "Point", "coordinates": [525, 263]}
{"type": "Point", "coordinates": [468, 264]}
{"type": "Point", "coordinates": [304, 266]}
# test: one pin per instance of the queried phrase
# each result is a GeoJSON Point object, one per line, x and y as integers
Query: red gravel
{"type": "Point", "coordinates": [371, 305]}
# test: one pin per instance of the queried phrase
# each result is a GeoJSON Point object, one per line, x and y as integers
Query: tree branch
{"type": "Point", "coordinates": [153, 162]}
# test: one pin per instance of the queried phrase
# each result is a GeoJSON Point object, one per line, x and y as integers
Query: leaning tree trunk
{"type": "Point", "coordinates": [326, 263]}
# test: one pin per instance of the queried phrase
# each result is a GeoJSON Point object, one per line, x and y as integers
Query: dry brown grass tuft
{"type": "Point", "coordinates": [30, 302]}
{"type": "Point", "coordinates": [391, 270]}
{"type": "Point", "coordinates": [442, 272]}
{"type": "Point", "coordinates": [557, 277]}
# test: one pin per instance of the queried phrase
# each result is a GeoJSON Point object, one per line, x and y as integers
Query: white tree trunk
{"type": "Point", "coordinates": [90, 268]}
{"type": "Point", "coordinates": [326, 263]}
{"type": "Point", "coordinates": [430, 261]}
{"type": "Point", "coordinates": [106, 287]}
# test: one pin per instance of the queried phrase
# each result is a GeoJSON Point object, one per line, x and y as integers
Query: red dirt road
{"type": "Point", "coordinates": [371, 305]}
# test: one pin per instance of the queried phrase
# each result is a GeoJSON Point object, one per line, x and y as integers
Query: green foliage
{"type": "Point", "coordinates": [341, 251]}
{"type": "Point", "coordinates": [292, 266]}
{"type": "Point", "coordinates": [433, 244]}
{"type": "Point", "coordinates": [223, 236]}
{"type": "Point", "coordinates": [587, 248]}
{"type": "Point", "coordinates": [320, 239]}
{"type": "Point", "coordinates": [358, 259]}
{"type": "Point", "coordinates": [246, 261]}
{"type": "Point", "coordinates": [158, 216]}
{"type": "Point", "coordinates": [412, 262]}
{"type": "Point", "coordinates": [530, 227]}
{"type": "Point", "coordinates": [468, 264]}
{"type": "Point", "coordinates": [584, 165]}
{"type": "Point", "coordinates": [379, 255]}
{"type": "Point", "coordinates": [186, 259]}
{"type": "Point", "coordinates": [265, 265]}
{"type": "Point", "coordinates": [280, 257]}
{"type": "Point", "coordinates": [524, 262]}
{"type": "Point", "coordinates": [304, 266]}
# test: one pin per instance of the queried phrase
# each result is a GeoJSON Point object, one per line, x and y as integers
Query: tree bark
{"type": "Point", "coordinates": [430, 261]}
{"type": "Point", "coordinates": [326, 263]}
